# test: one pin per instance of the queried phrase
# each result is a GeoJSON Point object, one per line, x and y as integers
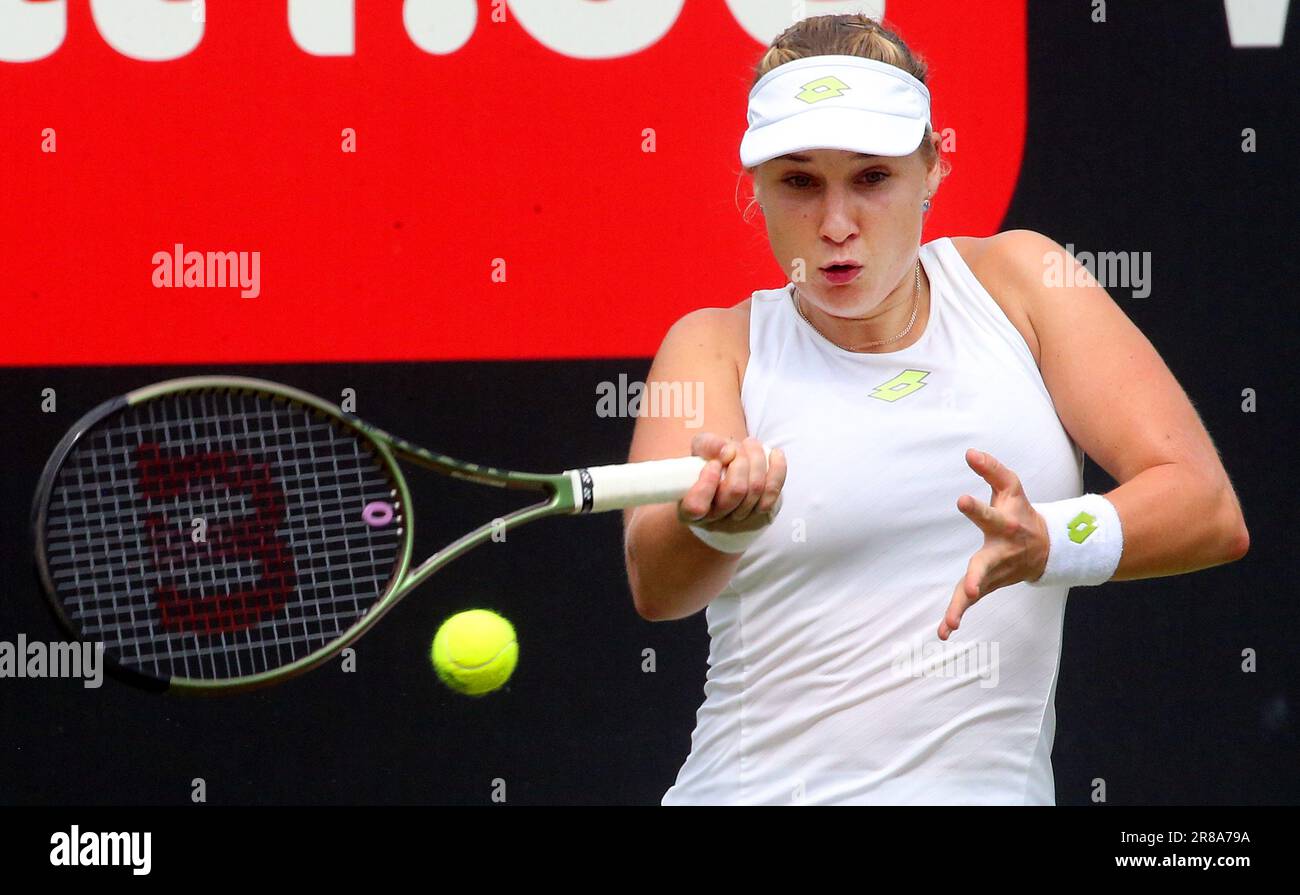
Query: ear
{"type": "Point", "coordinates": [935, 174]}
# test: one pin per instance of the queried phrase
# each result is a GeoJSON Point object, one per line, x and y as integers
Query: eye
{"type": "Point", "coordinates": [800, 181]}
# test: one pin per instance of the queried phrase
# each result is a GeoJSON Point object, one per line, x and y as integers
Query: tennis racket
{"type": "Point", "coordinates": [223, 533]}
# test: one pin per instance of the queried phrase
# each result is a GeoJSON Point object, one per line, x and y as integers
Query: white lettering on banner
{"type": "Point", "coordinates": [440, 28]}
{"type": "Point", "coordinates": [323, 27]}
{"type": "Point", "coordinates": [148, 30]}
{"type": "Point", "coordinates": [606, 30]}
{"type": "Point", "coordinates": [163, 30]}
{"type": "Point", "coordinates": [764, 20]}
{"type": "Point", "coordinates": [31, 31]}
{"type": "Point", "coordinates": [1256, 23]}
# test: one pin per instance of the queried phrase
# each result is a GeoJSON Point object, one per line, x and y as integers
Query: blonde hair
{"type": "Point", "coordinates": [850, 35]}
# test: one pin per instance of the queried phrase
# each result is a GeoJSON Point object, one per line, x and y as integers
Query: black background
{"type": "Point", "coordinates": [1134, 144]}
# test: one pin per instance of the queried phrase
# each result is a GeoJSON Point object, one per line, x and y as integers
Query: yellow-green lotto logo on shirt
{"type": "Point", "coordinates": [1081, 526]}
{"type": "Point", "coordinates": [822, 88]}
{"type": "Point", "coordinates": [902, 385]}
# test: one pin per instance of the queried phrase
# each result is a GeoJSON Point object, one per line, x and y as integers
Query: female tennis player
{"type": "Point", "coordinates": [849, 662]}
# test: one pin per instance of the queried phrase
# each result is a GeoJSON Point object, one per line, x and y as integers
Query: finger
{"type": "Point", "coordinates": [989, 519]}
{"type": "Point", "coordinates": [695, 503]}
{"type": "Point", "coordinates": [734, 485]}
{"type": "Point", "coordinates": [967, 593]}
{"type": "Point", "coordinates": [728, 453]}
{"type": "Point", "coordinates": [707, 445]}
{"type": "Point", "coordinates": [957, 607]}
{"type": "Point", "coordinates": [753, 451]}
{"type": "Point", "coordinates": [776, 469]}
{"type": "Point", "coordinates": [973, 582]}
{"type": "Point", "coordinates": [1000, 478]}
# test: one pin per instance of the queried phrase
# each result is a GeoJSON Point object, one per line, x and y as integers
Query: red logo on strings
{"type": "Point", "coordinates": [245, 540]}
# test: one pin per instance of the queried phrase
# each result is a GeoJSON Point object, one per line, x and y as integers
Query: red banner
{"type": "Point", "coordinates": [291, 182]}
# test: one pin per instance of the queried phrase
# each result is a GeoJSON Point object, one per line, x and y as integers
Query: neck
{"type": "Point", "coordinates": [885, 321]}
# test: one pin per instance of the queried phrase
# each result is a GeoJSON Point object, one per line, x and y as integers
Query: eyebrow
{"type": "Point", "coordinates": [795, 157]}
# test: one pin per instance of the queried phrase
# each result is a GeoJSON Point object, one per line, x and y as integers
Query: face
{"type": "Point", "coordinates": [837, 205]}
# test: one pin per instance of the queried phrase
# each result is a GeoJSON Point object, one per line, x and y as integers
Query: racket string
{"type": "Point", "coordinates": [286, 560]}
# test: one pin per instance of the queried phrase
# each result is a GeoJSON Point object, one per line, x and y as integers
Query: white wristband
{"type": "Point", "coordinates": [1085, 541]}
{"type": "Point", "coordinates": [734, 541]}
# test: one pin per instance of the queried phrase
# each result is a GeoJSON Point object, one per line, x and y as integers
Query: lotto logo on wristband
{"type": "Point", "coordinates": [1072, 522]}
{"type": "Point", "coordinates": [1081, 526]}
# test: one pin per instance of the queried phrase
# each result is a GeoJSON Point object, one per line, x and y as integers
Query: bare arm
{"type": "Point", "coordinates": [1120, 403]}
{"type": "Point", "coordinates": [672, 573]}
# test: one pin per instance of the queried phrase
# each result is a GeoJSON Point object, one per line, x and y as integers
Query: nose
{"type": "Point", "coordinates": [838, 221]}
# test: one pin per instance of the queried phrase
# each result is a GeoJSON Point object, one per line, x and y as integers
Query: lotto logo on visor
{"type": "Point", "coordinates": [823, 88]}
{"type": "Point", "coordinates": [835, 102]}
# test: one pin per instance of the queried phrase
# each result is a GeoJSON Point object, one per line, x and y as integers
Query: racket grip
{"type": "Point", "coordinates": [615, 487]}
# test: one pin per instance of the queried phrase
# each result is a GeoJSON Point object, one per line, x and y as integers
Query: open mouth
{"type": "Point", "coordinates": [840, 274]}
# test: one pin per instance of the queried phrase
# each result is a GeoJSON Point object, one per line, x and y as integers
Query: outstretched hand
{"type": "Point", "coordinates": [1015, 539]}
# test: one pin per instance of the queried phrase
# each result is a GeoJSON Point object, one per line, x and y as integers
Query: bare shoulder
{"type": "Point", "coordinates": [725, 329]}
{"type": "Point", "coordinates": [720, 334]}
{"type": "Point", "coordinates": [1005, 264]}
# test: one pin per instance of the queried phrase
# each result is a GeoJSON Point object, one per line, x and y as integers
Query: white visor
{"type": "Point", "coordinates": [835, 102]}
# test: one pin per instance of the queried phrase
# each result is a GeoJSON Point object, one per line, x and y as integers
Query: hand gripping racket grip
{"type": "Point", "coordinates": [602, 488]}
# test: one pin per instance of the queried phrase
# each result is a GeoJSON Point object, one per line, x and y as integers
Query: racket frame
{"type": "Point", "coordinates": [560, 489]}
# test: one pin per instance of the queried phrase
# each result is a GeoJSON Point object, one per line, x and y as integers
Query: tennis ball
{"type": "Point", "coordinates": [475, 652]}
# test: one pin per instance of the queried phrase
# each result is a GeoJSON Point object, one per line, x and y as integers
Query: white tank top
{"type": "Point", "coordinates": [827, 682]}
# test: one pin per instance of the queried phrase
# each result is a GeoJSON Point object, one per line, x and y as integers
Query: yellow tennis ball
{"type": "Point", "coordinates": [475, 652]}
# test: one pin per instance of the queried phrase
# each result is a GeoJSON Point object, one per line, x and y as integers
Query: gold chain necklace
{"type": "Point", "coordinates": [916, 306]}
